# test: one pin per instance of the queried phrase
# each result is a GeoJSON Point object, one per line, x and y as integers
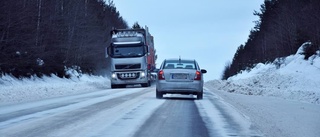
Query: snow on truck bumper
{"type": "Point", "coordinates": [134, 77]}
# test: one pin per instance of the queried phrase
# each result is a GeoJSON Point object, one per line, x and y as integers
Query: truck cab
{"type": "Point", "coordinates": [129, 51]}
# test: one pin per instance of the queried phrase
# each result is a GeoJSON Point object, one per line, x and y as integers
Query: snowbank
{"type": "Point", "coordinates": [23, 90]}
{"type": "Point", "coordinates": [290, 78]}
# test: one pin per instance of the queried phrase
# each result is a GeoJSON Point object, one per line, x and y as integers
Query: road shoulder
{"type": "Point", "coordinates": [276, 116]}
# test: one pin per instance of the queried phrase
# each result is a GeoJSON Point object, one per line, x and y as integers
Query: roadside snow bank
{"type": "Point", "coordinates": [290, 78]}
{"type": "Point", "coordinates": [16, 91]}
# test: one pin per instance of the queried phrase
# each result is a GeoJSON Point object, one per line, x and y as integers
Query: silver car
{"type": "Point", "coordinates": [180, 76]}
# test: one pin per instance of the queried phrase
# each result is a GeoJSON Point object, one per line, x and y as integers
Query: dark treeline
{"type": "Point", "coordinates": [282, 27]}
{"type": "Point", "coordinates": [42, 37]}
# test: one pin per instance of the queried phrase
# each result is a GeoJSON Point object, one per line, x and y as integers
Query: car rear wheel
{"type": "Point", "coordinates": [200, 95]}
{"type": "Point", "coordinates": [159, 94]}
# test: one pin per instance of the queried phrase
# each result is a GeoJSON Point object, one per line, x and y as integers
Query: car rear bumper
{"type": "Point", "coordinates": [192, 87]}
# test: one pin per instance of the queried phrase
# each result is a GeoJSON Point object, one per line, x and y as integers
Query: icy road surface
{"type": "Point", "coordinates": [124, 113]}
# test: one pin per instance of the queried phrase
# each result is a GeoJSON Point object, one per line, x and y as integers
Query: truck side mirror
{"type": "Point", "coordinates": [106, 52]}
{"type": "Point", "coordinates": [146, 49]}
{"type": "Point", "coordinates": [156, 70]}
{"type": "Point", "coordinates": [109, 51]}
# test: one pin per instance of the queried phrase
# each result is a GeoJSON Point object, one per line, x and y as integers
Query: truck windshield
{"type": "Point", "coordinates": [122, 51]}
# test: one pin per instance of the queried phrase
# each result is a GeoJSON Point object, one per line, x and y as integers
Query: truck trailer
{"type": "Point", "coordinates": [132, 57]}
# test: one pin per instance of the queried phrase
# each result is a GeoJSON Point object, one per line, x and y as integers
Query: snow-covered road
{"type": "Point", "coordinates": [123, 113]}
{"type": "Point", "coordinates": [101, 113]}
{"type": "Point", "coordinates": [136, 112]}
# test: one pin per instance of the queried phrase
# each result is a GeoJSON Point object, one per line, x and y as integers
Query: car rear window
{"type": "Point", "coordinates": [176, 64]}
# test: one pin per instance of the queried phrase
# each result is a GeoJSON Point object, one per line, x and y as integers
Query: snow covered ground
{"type": "Point", "coordinates": [291, 78]}
{"type": "Point", "coordinates": [13, 90]}
{"type": "Point", "coordinates": [274, 116]}
{"type": "Point", "coordinates": [280, 98]}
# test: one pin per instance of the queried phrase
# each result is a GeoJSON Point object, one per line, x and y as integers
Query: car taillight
{"type": "Point", "coordinates": [161, 75]}
{"type": "Point", "coordinates": [198, 75]}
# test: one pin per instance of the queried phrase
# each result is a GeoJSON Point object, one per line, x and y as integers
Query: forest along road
{"type": "Point", "coordinates": [124, 113]}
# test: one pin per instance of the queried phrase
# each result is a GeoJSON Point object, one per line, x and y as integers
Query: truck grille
{"type": "Point", "coordinates": [129, 75]}
{"type": "Point", "coordinates": [128, 66]}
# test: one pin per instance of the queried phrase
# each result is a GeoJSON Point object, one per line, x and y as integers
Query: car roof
{"type": "Point", "coordinates": [174, 59]}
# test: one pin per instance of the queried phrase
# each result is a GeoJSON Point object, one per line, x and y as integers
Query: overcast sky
{"type": "Point", "coordinates": [209, 31]}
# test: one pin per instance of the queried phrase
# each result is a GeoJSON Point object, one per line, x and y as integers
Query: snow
{"type": "Point", "coordinates": [281, 98]}
{"type": "Point", "coordinates": [291, 78]}
{"type": "Point", "coordinates": [223, 117]}
{"type": "Point", "coordinates": [129, 114]}
{"type": "Point", "coordinates": [136, 112]}
{"type": "Point", "coordinates": [273, 116]}
{"type": "Point", "coordinates": [15, 90]}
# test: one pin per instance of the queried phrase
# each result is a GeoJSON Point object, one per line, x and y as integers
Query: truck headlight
{"type": "Point", "coordinates": [143, 74]}
{"type": "Point", "coordinates": [114, 76]}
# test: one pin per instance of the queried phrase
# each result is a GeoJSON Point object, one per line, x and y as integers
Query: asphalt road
{"type": "Point", "coordinates": [177, 117]}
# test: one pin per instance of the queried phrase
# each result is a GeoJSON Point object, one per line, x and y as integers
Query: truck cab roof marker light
{"type": "Point", "coordinates": [126, 34]}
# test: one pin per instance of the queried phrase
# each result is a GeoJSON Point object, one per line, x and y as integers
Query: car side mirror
{"type": "Point", "coordinates": [203, 71]}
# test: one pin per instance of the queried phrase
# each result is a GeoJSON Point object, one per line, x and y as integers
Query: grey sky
{"type": "Point", "coordinates": [209, 31]}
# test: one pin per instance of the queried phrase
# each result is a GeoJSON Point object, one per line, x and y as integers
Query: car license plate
{"type": "Point", "coordinates": [179, 76]}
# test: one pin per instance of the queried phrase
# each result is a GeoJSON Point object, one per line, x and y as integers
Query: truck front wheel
{"type": "Point", "coordinates": [118, 86]}
{"type": "Point", "coordinates": [145, 84]}
{"type": "Point", "coordinates": [114, 86]}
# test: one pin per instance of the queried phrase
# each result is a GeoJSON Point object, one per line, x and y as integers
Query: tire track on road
{"type": "Point", "coordinates": [45, 125]}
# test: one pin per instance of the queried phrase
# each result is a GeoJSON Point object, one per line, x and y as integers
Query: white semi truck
{"type": "Point", "coordinates": [132, 57]}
